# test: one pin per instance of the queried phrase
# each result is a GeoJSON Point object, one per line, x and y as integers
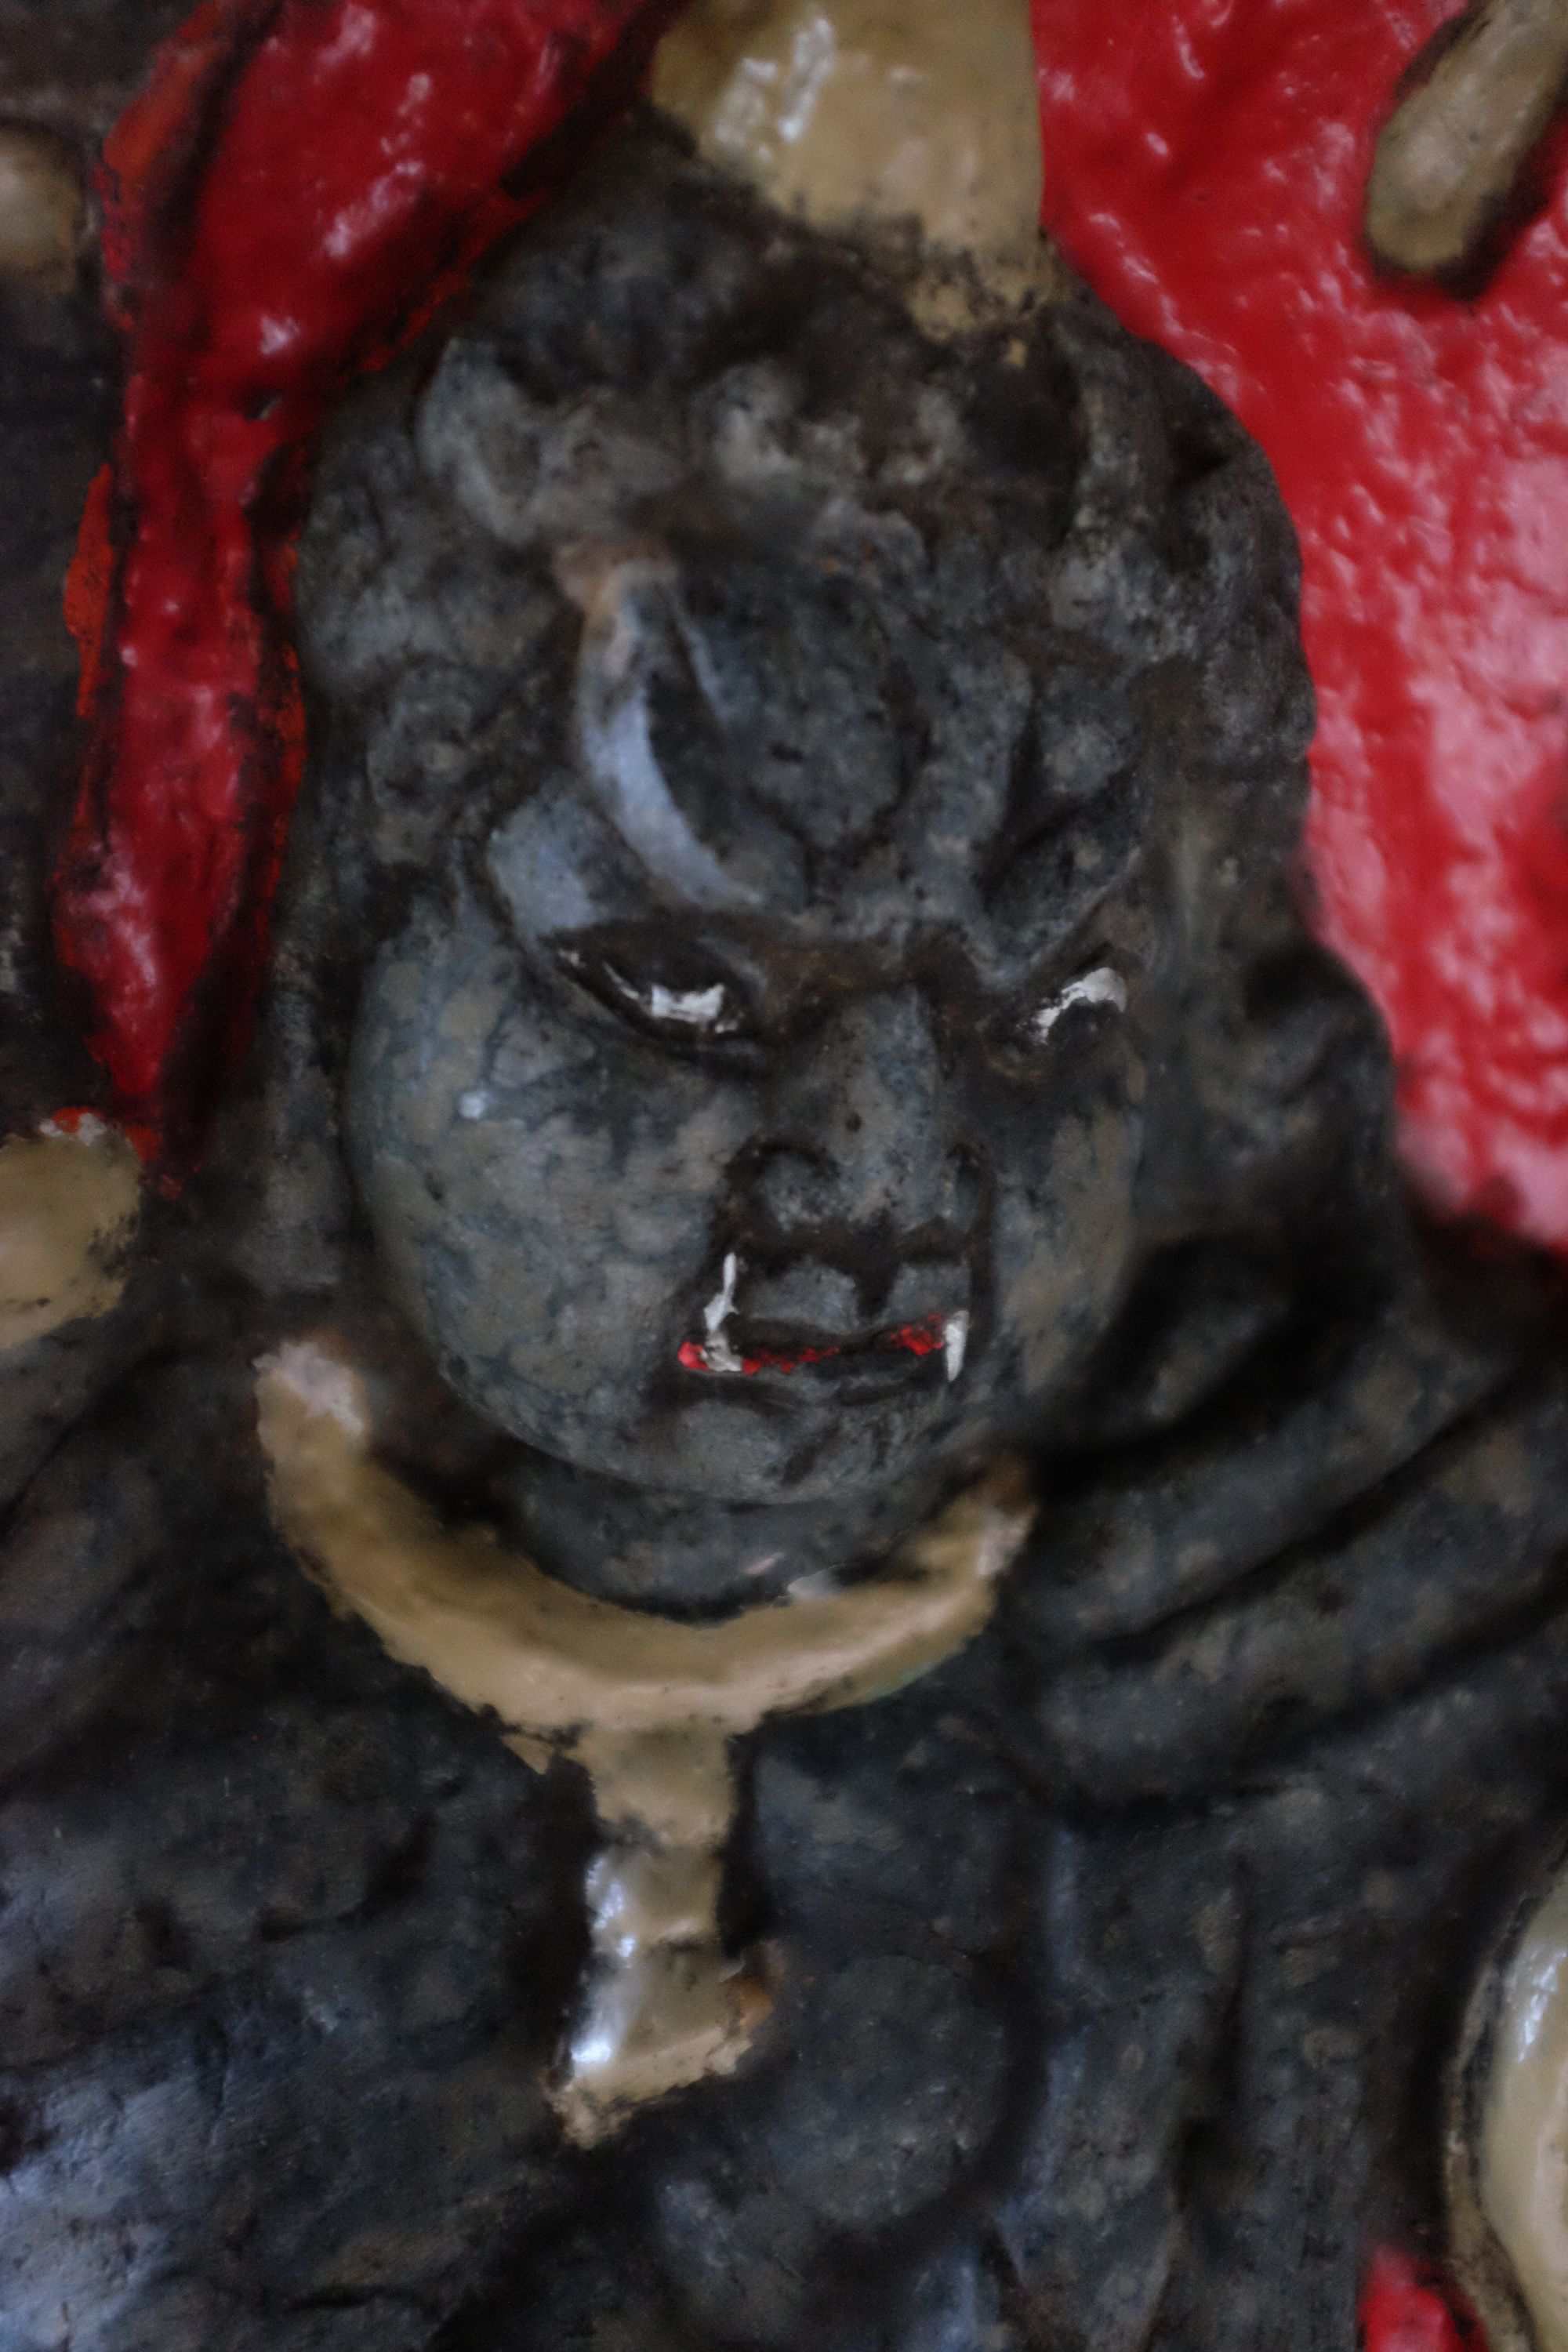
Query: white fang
{"type": "Point", "coordinates": [954, 1344]}
{"type": "Point", "coordinates": [1102, 986]}
{"type": "Point", "coordinates": [718, 1355]}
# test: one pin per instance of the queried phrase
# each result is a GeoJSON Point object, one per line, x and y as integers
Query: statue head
{"type": "Point", "coordinates": [801, 847]}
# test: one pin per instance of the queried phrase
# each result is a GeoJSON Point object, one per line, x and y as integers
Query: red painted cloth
{"type": "Point", "coordinates": [1205, 168]}
{"type": "Point", "coordinates": [299, 185]}
{"type": "Point", "coordinates": [1407, 2306]}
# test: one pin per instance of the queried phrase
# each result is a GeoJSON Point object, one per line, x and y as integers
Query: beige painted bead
{"type": "Point", "coordinates": [1450, 157]}
{"type": "Point", "coordinates": [854, 111]}
{"type": "Point", "coordinates": [41, 206]}
{"type": "Point", "coordinates": [1521, 2160]}
{"type": "Point", "coordinates": [68, 1205]}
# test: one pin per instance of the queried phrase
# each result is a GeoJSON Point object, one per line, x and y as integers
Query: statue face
{"type": "Point", "coordinates": [756, 1113]}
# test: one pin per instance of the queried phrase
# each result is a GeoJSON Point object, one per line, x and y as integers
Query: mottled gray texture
{"type": "Point", "coordinates": [1116, 1962]}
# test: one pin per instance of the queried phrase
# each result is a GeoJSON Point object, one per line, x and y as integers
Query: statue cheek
{"type": "Point", "coordinates": [1063, 1230]}
{"type": "Point", "coordinates": [544, 1201]}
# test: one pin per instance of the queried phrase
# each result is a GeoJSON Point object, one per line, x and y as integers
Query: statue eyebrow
{"type": "Point", "coordinates": [1051, 935]}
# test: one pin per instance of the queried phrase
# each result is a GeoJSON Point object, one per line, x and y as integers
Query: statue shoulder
{"type": "Point", "coordinates": [1314, 1548]}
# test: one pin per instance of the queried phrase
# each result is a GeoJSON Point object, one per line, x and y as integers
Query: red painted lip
{"type": "Point", "coordinates": [926, 1338]}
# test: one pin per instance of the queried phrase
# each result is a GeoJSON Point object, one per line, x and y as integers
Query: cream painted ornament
{"type": "Point", "coordinates": [880, 114]}
{"type": "Point", "coordinates": [70, 1205]}
{"type": "Point", "coordinates": [1507, 2135]}
{"type": "Point", "coordinates": [1451, 159]}
{"type": "Point", "coordinates": [649, 1707]}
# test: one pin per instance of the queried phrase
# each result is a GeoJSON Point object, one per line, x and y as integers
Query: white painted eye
{"type": "Point", "coordinates": [698, 1009]}
{"type": "Point", "coordinates": [1102, 986]}
{"type": "Point", "coordinates": [716, 1009]}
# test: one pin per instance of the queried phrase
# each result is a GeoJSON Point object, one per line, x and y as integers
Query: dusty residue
{"type": "Point", "coordinates": [1451, 157]}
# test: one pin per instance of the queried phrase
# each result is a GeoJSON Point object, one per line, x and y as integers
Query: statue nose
{"type": "Point", "coordinates": [861, 1128]}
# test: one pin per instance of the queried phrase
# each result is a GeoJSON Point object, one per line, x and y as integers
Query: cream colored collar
{"type": "Point", "coordinates": [647, 1705]}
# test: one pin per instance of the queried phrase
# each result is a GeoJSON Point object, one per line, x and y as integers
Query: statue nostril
{"type": "Point", "coordinates": [792, 1185]}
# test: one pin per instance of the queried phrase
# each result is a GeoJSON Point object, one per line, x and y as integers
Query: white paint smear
{"type": "Point", "coordinates": [718, 1356]}
{"type": "Point", "coordinates": [1102, 986]}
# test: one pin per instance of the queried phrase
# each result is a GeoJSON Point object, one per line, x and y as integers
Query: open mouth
{"type": "Point", "coordinates": [731, 1346]}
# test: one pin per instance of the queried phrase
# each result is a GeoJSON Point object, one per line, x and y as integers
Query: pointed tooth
{"type": "Point", "coordinates": [721, 1305]}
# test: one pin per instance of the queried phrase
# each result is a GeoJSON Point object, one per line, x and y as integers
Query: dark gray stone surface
{"type": "Point", "coordinates": [1116, 1962]}
{"type": "Point", "coordinates": [71, 65]}
{"type": "Point", "coordinates": [57, 390]}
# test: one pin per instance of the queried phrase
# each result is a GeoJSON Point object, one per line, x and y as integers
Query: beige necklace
{"type": "Point", "coordinates": [649, 1707]}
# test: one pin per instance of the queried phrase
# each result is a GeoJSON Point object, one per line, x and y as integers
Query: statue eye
{"type": "Point", "coordinates": [685, 998]}
{"type": "Point", "coordinates": [1102, 986]}
{"type": "Point", "coordinates": [708, 1010]}
{"type": "Point", "coordinates": [1045, 1035]}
